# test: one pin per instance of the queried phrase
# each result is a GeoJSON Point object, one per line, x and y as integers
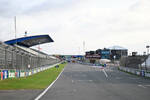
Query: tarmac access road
{"type": "Point", "coordinates": [19, 94]}
{"type": "Point", "coordinates": [83, 82]}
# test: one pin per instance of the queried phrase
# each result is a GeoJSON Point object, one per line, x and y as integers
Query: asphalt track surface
{"type": "Point", "coordinates": [83, 82]}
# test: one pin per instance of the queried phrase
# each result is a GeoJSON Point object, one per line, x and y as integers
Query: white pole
{"type": "Point", "coordinates": [15, 27]}
{"type": "Point", "coordinates": [15, 38]}
{"type": "Point", "coordinates": [83, 47]}
{"type": "Point", "coordinates": [79, 51]}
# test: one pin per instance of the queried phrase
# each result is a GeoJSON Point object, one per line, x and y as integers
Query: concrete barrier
{"type": "Point", "coordinates": [135, 71]}
{"type": "Point", "coordinates": [147, 74]}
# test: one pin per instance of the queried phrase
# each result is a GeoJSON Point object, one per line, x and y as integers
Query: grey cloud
{"type": "Point", "coordinates": [51, 5]}
{"type": "Point", "coordinates": [23, 7]}
{"type": "Point", "coordinates": [5, 8]}
{"type": "Point", "coordinates": [9, 8]}
{"type": "Point", "coordinates": [135, 6]}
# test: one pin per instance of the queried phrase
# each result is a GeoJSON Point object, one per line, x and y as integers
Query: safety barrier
{"type": "Point", "coordinates": [16, 57]}
{"type": "Point", "coordinates": [12, 73]}
{"type": "Point", "coordinates": [138, 72]}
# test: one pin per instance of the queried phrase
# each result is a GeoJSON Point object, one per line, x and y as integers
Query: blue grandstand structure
{"type": "Point", "coordinates": [30, 40]}
{"type": "Point", "coordinates": [17, 59]}
{"type": "Point", "coordinates": [17, 54]}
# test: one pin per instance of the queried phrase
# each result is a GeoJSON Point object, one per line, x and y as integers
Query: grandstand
{"type": "Point", "coordinates": [17, 54]}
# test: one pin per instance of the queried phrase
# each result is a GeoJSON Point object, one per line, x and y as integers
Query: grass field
{"type": "Point", "coordinates": [37, 81]}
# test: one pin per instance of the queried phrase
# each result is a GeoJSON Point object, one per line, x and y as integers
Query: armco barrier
{"type": "Point", "coordinates": [18, 73]}
{"type": "Point", "coordinates": [27, 73]}
{"type": "Point", "coordinates": [30, 72]}
{"type": "Point", "coordinates": [147, 74]}
{"type": "Point", "coordinates": [35, 71]}
{"type": "Point", "coordinates": [143, 73]}
{"type": "Point", "coordinates": [22, 73]}
{"type": "Point", "coordinates": [11, 73]}
{"type": "Point", "coordinates": [38, 70]}
{"type": "Point", "coordinates": [135, 71]}
{"type": "Point", "coordinates": [5, 74]}
{"type": "Point", "coordinates": [0, 74]}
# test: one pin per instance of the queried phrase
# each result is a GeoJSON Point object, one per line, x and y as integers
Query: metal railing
{"type": "Point", "coordinates": [12, 57]}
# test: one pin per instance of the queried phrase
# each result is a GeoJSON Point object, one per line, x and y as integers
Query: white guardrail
{"type": "Point", "coordinates": [12, 73]}
{"type": "Point", "coordinates": [138, 72]}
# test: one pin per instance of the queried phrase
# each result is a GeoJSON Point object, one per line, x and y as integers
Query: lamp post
{"type": "Point", "coordinates": [147, 49]}
{"type": "Point", "coordinates": [6, 58]}
{"type": "Point", "coordinates": [147, 57]}
{"type": "Point", "coordinates": [39, 55]}
{"type": "Point", "coordinates": [114, 59]}
{"type": "Point", "coordinates": [13, 51]}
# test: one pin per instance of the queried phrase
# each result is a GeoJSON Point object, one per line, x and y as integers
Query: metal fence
{"type": "Point", "coordinates": [12, 57]}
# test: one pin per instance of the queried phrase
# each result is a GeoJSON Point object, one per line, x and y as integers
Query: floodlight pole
{"type": "Point", "coordinates": [83, 47]}
{"type": "Point", "coordinates": [147, 49]}
{"type": "Point", "coordinates": [15, 27]}
{"type": "Point", "coordinates": [79, 50]}
{"type": "Point", "coordinates": [147, 57]}
{"type": "Point", "coordinates": [15, 39]}
{"type": "Point", "coordinates": [83, 50]}
{"type": "Point", "coordinates": [114, 59]}
{"type": "Point", "coordinates": [39, 54]}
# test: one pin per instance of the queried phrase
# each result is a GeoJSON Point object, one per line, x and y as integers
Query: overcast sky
{"type": "Point", "coordinates": [98, 23]}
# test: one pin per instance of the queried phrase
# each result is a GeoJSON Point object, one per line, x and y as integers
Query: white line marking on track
{"type": "Point", "coordinates": [72, 81]}
{"type": "Point", "coordinates": [105, 72]}
{"type": "Point", "coordinates": [74, 90]}
{"type": "Point", "coordinates": [39, 96]}
{"type": "Point", "coordinates": [147, 85]}
{"type": "Point", "coordinates": [142, 86]}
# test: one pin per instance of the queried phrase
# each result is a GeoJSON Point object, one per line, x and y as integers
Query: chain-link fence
{"type": "Point", "coordinates": [12, 57]}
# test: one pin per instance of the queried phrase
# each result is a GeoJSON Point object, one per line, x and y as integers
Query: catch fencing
{"type": "Point", "coordinates": [12, 57]}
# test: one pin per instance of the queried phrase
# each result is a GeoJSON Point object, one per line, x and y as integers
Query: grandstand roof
{"type": "Point", "coordinates": [117, 48]}
{"type": "Point", "coordinates": [30, 40]}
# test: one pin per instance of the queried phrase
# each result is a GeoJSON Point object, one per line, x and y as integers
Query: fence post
{"type": "Point", "coordinates": [12, 58]}
{"type": "Point", "coordinates": [6, 56]}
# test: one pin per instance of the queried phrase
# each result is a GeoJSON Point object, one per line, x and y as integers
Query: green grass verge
{"type": "Point", "coordinates": [37, 81]}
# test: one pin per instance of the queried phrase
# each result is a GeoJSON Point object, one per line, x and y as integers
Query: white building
{"type": "Point", "coordinates": [147, 62]}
